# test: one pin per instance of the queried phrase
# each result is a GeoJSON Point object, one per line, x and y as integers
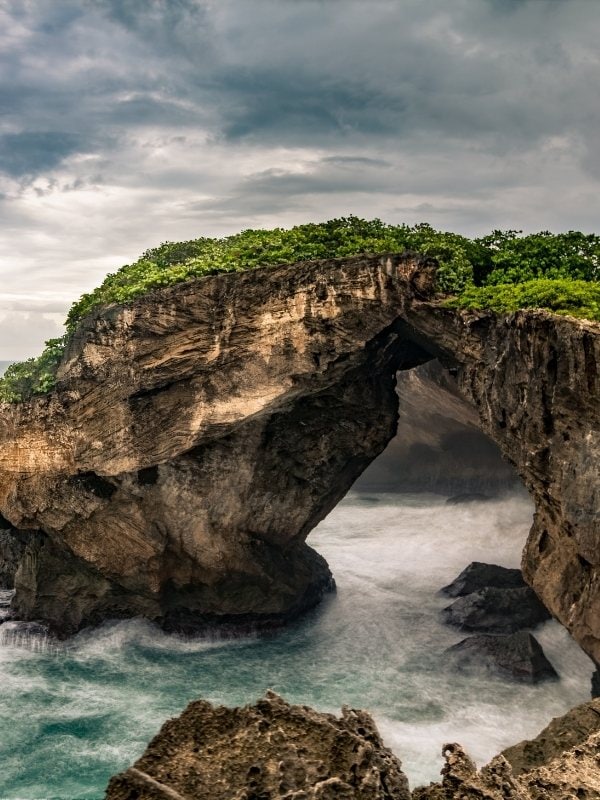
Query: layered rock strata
{"type": "Point", "coordinates": [198, 434]}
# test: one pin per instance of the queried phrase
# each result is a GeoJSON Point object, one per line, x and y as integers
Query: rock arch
{"type": "Point", "coordinates": [198, 434]}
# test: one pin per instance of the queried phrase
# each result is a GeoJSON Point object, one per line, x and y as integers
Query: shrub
{"type": "Point", "coordinates": [562, 296]}
{"type": "Point", "coordinates": [35, 376]}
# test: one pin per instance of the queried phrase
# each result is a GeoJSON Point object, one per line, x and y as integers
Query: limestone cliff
{"type": "Point", "coordinates": [198, 434]}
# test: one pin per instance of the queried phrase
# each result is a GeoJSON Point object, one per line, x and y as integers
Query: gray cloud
{"type": "Point", "coordinates": [129, 122]}
{"type": "Point", "coordinates": [32, 152]}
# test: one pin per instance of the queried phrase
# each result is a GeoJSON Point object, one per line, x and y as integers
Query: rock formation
{"type": "Point", "coordinates": [276, 750]}
{"type": "Point", "coordinates": [199, 433]}
{"type": "Point", "coordinates": [477, 576]}
{"type": "Point", "coordinates": [517, 656]}
{"type": "Point", "coordinates": [438, 446]}
{"type": "Point", "coordinates": [496, 610]}
{"type": "Point", "coordinates": [572, 774]}
{"type": "Point", "coordinates": [269, 750]}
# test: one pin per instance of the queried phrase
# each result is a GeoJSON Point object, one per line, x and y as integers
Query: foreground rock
{"type": "Point", "coordinates": [482, 576]}
{"type": "Point", "coordinates": [493, 610]}
{"type": "Point", "coordinates": [270, 750]}
{"type": "Point", "coordinates": [571, 775]}
{"type": "Point", "coordinates": [276, 750]}
{"type": "Point", "coordinates": [518, 656]}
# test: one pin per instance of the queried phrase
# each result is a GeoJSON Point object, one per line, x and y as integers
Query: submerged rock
{"type": "Point", "coordinates": [269, 750]}
{"type": "Point", "coordinates": [493, 610]}
{"type": "Point", "coordinates": [481, 576]}
{"type": "Point", "coordinates": [518, 656]}
{"type": "Point", "coordinates": [468, 497]}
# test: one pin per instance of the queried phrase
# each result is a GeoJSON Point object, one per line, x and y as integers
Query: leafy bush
{"type": "Point", "coordinates": [499, 271]}
{"type": "Point", "coordinates": [562, 296]}
{"type": "Point", "coordinates": [516, 259]}
{"type": "Point", "coordinates": [35, 376]}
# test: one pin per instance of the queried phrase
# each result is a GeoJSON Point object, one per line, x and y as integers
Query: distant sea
{"type": "Point", "coordinates": [4, 365]}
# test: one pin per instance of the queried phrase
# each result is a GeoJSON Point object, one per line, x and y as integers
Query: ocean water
{"type": "Point", "coordinates": [73, 716]}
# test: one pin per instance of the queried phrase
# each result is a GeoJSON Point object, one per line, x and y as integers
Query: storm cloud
{"type": "Point", "coordinates": [130, 122]}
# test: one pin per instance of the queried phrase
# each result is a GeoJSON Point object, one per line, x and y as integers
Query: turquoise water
{"type": "Point", "coordinates": [72, 717]}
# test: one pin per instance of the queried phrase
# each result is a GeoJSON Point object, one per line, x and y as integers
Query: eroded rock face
{"type": "Point", "coordinates": [198, 436]}
{"type": "Point", "coordinates": [269, 750]}
{"type": "Point", "coordinates": [561, 734]}
{"type": "Point", "coordinates": [276, 750]}
{"type": "Point", "coordinates": [534, 379]}
{"type": "Point", "coordinates": [200, 433]}
{"type": "Point", "coordinates": [574, 773]}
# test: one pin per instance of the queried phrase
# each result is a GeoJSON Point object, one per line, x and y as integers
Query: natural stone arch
{"type": "Point", "coordinates": [198, 434]}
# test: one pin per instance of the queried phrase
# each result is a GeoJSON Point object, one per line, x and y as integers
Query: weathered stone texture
{"type": "Point", "coordinates": [269, 750]}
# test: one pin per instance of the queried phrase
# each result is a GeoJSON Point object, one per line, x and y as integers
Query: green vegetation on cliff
{"type": "Point", "coordinates": [503, 271]}
{"type": "Point", "coordinates": [576, 298]}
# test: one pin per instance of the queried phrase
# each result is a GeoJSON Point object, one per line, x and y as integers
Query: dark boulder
{"type": "Point", "coordinates": [480, 576]}
{"type": "Point", "coordinates": [518, 656]}
{"type": "Point", "coordinates": [494, 610]}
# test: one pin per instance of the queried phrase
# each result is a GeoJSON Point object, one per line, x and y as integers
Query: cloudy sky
{"type": "Point", "coordinates": [130, 122]}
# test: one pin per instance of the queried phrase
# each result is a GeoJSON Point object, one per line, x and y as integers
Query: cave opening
{"type": "Point", "coordinates": [439, 497]}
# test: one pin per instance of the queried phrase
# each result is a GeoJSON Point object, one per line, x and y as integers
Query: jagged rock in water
{"type": "Point", "coordinates": [563, 733]}
{"type": "Point", "coordinates": [572, 775]}
{"type": "Point", "coordinates": [518, 656]}
{"type": "Point", "coordinates": [199, 433]}
{"type": "Point", "coordinates": [482, 576]}
{"type": "Point", "coordinates": [269, 750]}
{"type": "Point", "coordinates": [493, 610]}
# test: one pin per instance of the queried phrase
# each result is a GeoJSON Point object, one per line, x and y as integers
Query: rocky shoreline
{"type": "Point", "coordinates": [276, 750]}
{"type": "Point", "coordinates": [198, 434]}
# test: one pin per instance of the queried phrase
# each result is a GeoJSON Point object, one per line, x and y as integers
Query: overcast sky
{"type": "Point", "coordinates": [130, 122]}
